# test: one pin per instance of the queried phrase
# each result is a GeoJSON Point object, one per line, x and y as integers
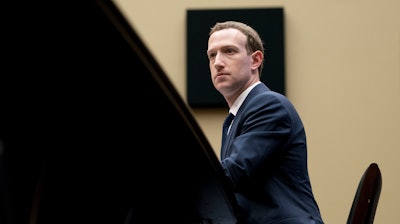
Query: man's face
{"type": "Point", "coordinates": [230, 64]}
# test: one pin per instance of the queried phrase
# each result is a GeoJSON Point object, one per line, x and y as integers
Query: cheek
{"type": "Point", "coordinates": [210, 66]}
{"type": "Point", "coordinates": [245, 66]}
{"type": "Point", "coordinates": [212, 76]}
{"type": "Point", "coordinates": [212, 71]}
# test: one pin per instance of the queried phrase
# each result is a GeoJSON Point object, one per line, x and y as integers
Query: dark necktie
{"type": "Point", "coordinates": [225, 127]}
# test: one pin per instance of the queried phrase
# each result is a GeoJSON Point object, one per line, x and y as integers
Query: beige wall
{"type": "Point", "coordinates": [342, 73]}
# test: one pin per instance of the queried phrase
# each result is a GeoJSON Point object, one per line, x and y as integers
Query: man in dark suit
{"type": "Point", "coordinates": [264, 149]}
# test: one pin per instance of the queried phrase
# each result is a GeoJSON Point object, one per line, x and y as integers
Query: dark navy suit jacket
{"type": "Point", "coordinates": [265, 159]}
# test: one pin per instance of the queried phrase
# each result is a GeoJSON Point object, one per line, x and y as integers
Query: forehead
{"type": "Point", "coordinates": [226, 37]}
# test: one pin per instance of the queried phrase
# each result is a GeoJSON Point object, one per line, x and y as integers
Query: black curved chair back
{"type": "Point", "coordinates": [367, 196]}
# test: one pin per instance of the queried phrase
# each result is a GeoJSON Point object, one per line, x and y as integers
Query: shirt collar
{"type": "Point", "coordinates": [238, 102]}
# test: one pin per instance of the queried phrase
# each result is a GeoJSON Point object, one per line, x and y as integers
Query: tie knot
{"type": "Point", "coordinates": [225, 128]}
{"type": "Point", "coordinates": [228, 120]}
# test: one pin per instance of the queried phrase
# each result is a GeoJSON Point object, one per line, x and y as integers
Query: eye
{"type": "Point", "coordinates": [230, 51]}
{"type": "Point", "coordinates": [211, 55]}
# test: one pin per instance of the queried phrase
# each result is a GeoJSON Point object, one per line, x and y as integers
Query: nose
{"type": "Point", "coordinates": [218, 61]}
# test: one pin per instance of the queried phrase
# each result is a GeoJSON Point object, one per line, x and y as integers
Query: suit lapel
{"type": "Point", "coordinates": [226, 148]}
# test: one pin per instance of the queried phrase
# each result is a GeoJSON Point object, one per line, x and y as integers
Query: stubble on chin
{"type": "Point", "coordinates": [222, 86]}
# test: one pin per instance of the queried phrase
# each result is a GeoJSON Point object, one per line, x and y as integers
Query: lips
{"type": "Point", "coordinates": [220, 74]}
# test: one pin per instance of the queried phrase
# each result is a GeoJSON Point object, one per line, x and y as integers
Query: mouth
{"type": "Point", "coordinates": [221, 74]}
{"type": "Point", "coordinates": [221, 77]}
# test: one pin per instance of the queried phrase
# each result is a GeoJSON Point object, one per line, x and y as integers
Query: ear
{"type": "Point", "coordinates": [258, 58]}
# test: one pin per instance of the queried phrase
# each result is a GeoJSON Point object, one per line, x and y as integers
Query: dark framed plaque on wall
{"type": "Point", "coordinates": [268, 22]}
